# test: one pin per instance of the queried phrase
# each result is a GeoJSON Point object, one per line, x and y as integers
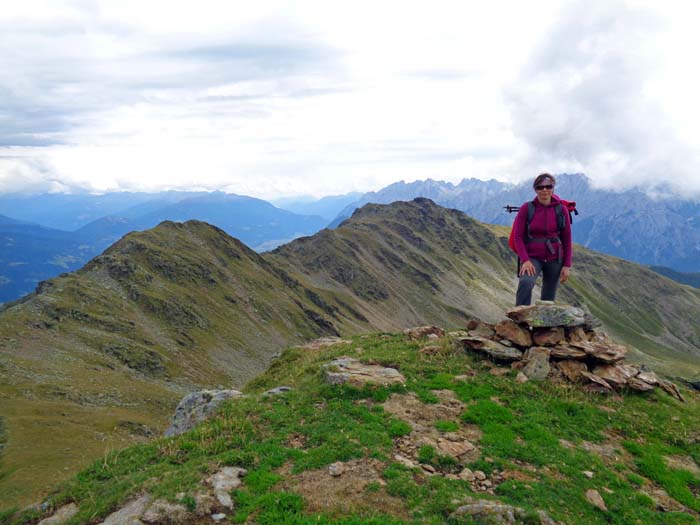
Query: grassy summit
{"type": "Point", "coordinates": [539, 446]}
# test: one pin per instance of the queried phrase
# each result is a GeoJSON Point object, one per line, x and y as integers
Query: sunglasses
{"type": "Point", "coordinates": [544, 187]}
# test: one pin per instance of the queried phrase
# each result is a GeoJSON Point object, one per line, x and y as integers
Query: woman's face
{"type": "Point", "coordinates": [545, 189]}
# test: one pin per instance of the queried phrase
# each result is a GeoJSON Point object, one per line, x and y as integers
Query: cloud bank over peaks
{"type": "Point", "coordinates": [586, 102]}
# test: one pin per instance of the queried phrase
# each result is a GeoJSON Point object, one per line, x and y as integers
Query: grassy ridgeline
{"type": "Point", "coordinates": [540, 438]}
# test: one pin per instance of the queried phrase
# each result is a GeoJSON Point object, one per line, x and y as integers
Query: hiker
{"type": "Point", "coordinates": [543, 246]}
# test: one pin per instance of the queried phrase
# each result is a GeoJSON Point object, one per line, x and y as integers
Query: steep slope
{"type": "Point", "coordinates": [648, 229]}
{"type": "Point", "coordinates": [411, 263]}
{"type": "Point", "coordinates": [100, 357]}
{"type": "Point", "coordinates": [115, 345]}
{"type": "Point", "coordinates": [457, 441]}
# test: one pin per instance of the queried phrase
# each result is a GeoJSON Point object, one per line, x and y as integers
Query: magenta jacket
{"type": "Point", "coordinates": [544, 224]}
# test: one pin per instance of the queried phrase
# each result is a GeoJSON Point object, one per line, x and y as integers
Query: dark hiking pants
{"type": "Point", "coordinates": [550, 280]}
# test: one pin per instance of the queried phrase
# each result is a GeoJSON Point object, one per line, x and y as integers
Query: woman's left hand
{"type": "Point", "coordinates": [564, 275]}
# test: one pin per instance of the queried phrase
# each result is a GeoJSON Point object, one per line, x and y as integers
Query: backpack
{"type": "Point", "coordinates": [570, 207]}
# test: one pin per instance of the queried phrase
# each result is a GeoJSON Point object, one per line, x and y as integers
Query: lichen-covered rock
{"type": "Point", "coordinates": [595, 499]}
{"type": "Point", "coordinates": [224, 481]}
{"type": "Point", "coordinates": [537, 367]}
{"type": "Point", "coordinates": [514, 332]}
{"type": "Point", "coordinates": [162, 512]}
{"type": "Point", "coordinates": [353, 372]}
{"type": "Point", "coordinates": [548, 336]}
{"type": "Point", "coordinates": [419, 332]}
{"type": "Point", "coordinates": [196, 407]}
{"type": "Point", "coordinates": [278, 390]}
{"type": "Point", "coordinates": [479, 328]}
{"type": "Point", "coordinates": [61, 516]}
{"type": "Point", "coordinates": [129, 514]}
{"type": "Point", "coordinates": [544, 316]}
{"type": "Point", "coordinates": [496, 513]}
{"type": "Point", "coordinates": [496, 350]}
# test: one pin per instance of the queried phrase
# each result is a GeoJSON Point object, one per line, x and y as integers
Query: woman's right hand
{"type": "Point", "coordinates": [527, 268]}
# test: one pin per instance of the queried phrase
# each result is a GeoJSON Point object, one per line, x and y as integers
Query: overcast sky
{"type": "Point", "coordinates": [324, 97]}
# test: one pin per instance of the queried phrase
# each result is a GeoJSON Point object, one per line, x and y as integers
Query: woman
{"type": "Point", "coordinates": [543, 245]}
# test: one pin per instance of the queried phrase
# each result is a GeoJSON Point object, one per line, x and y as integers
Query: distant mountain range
{"type": "Point", "coordinates": [35, 244]}
{"type": "Point", "coordinates": [30, 251]}
{"type": "Point", "coordinates": [628, 224]}
{"type": "Point", "coordinates": [105, 353]}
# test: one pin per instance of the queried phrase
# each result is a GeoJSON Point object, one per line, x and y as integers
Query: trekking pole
{"type": "Point", "coordinates": [511, 209]}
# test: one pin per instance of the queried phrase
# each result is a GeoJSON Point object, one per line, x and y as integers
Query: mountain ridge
{"type": "Point", "coordinates": [184, 306]}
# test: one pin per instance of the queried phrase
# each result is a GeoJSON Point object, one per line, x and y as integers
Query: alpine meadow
{"type": "Point", "coordinates": [97, 360]}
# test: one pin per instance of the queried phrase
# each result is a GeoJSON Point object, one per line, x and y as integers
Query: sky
{"type": "Point", "coordinates": [322, 98]}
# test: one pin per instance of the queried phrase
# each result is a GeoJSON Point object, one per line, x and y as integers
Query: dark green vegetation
{"type": "Point", "coordinates": [183, 307]}
{"type": "Point", "coordinates": [691, 279]}
{"type": "Point", "coordinates": [542, 438]}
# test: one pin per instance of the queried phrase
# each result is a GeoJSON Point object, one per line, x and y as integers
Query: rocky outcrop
{"type": "Point", "coordinates": [348, 370]}
{"type": "Point", "coordinates": [494, 349]}
{"type": "Point", "coordinates": [196, 407]}
{"type": "Point", "coordinates": [420, 332]}
{"type": "Point", "coordinates": [62, 515]}
{"type": "Point", "coordinates": [211, 504]}
{"type": "Point", "coordinates": [559, 341]}
{"type": "Point", "coordinates": [548, 315]}
{"type": "Point", "coordinates": [486, 511]}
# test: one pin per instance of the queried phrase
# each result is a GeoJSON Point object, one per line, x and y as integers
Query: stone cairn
{"type": "Point", "coordinates": [560, 342]}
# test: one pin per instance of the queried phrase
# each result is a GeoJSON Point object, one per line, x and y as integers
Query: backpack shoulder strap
{"type": "Point", "coordinates": [530, 215]}
{"type": "Point", "coordinates": [561, 222]}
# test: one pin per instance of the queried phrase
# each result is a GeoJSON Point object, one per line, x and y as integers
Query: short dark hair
{"type": "Point", "coordinates": [542, 177]}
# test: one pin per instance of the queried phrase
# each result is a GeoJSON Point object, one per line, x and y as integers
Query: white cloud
{"type": "Point", "coordinates": [322, 97]}
{"type": "Point", "coordinates": [590, 99]}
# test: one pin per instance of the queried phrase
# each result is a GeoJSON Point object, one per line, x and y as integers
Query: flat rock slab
{"type": "Point", "coordinates": [537, 367]}
{"type": "Point", "coordinates": [486, 511]}
{"type": "Point", "coordinates": [196, 407]}
{"type": "Point", "coordinates": [567, 352]}
{"type": "Point", "coordinates": [548, 336]}
{"type": "Point", "coordinates": [61, 515]}
{"type": "Point", "coordinates": [616, 375]}
{"type": "Point", "coordinates": [545, 316]}
{"type": "Point", "coordinates": [572, 369]}
{"type": "Point", "coordinates": [595, 499]}
{"type": "Point", "coordinates": [162, 511]}
{"type": "Point", "coordinates": [496, 350]}
{"type": "Point", "coordinates": [129, 514]}
{"type": "Point", "coordinates": [324, 342]}
{"type": "Point", "coordinates": [353, 372]}
{"type": "Point", "coordinates": [513, 332]}
{"type": "Point", "coordinates": [419, 332]}
{"type": "Point", "coordinates": [604, 352]}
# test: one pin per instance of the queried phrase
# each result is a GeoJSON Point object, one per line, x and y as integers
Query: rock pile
{"type": "Point", "coordinates": [560, 342]}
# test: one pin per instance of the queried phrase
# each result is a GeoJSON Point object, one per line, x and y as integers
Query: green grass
{"type": "Point", "coordinates": [534, 430]}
